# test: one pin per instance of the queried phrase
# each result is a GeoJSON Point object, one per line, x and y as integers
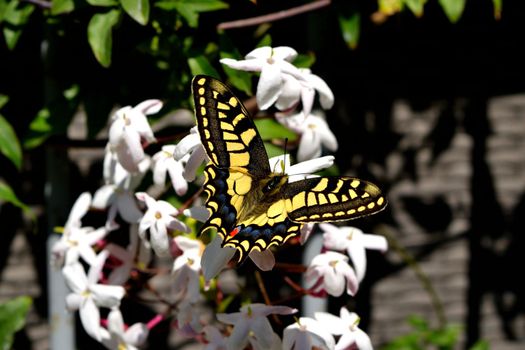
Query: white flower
{"type": "Point", "coordinates": [118, 194]}
{"type": "Point", "coordinates": [121, 272]}
{"type": "Point", "coordinates": [191, 319]}
{"type": "Point", "coordinates": [87, 295]}
{"type": "Point", "coordinates": [301, 170]}
{"type": "Point", "coordinates": [190, 152]}
{"type": "Point", "coordinates": [273, 63]}
{"type": "Point", "coordinates": [76, 240]}
{"type": "Point", "coordinates": [159, 217]}
{"type": "Point", "coordinates": [163, 162]}
{"type": "Point", "coordinates": [303, 89]}
{"type": "Point", "coordinates": [77, 243]}
{"type": "Point", "coordinates": [252, 322]}
{"type": "Point", "coordinates": [79, 209]}
{"type": "Point", "coordinates": [118, 337]}
{"type": "Point", "coordinates": [129, 126]}
{"type": "Point", "coordinates": [330, 272]}
{"type": "Point", "coordinates": [306, 334]}
{"type": "Point", "coordinates": [347, 327]}
{"type": "Point", "coordinates": [216, 340]}
{"type": "Point", "coordinates": [186, 269]}
{"type": "Point", "coordinates": [354, 241]}
{"type": "Point", "coordinates": [136, 254]}
{"type": "Point", "coordinates": [315, 134]}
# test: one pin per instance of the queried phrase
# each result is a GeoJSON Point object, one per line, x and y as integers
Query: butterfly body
{"type": "Point", "coordinates": [250, 206]}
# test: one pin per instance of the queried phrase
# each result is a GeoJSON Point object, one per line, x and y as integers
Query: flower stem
{"type": "Point", "coordinates": [423, 278]}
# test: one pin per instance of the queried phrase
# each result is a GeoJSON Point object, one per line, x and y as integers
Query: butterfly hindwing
{"type": "Point", "coordinates": [227, 131]}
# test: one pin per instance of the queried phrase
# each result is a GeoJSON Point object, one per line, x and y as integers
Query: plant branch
{"type": "Point", "coordinates": [272, 17]}
{"type": "Point", "coordinates": [40, 3]}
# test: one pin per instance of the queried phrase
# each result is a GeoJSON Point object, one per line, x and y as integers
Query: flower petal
{"type": "Point", "coordinates": [128, 209]}
{"type": "Point", "coordinates": [197, 157]}
{"type": "Point", "coordinates": [90, 318]}
{"type": "Point", "coordinates": [106, 295]}
{"type": "Point", "coordinates": [159, 239]}
{"type": "Point", "coordinates": [284, 53]}
{"type": "Point", "coordinates": [269, 86]}
{"type": "Point", "coordinates": [309, 146]}
{"type": "Point", "coordinates": [137, 334]}
{"type": "Point", "coordinates": [249, 65]}
{"type": "Point", "coordinates": [264, 260]}
{"type": "Point", "coordinates": [263, 52]}
{"type": "Point", "coordinates": [215, 258]}
{"type": "Point", "coordinates": [75, 277]}
{"type": "Point", "coordinates": [79, 209]}
{"type": "Point", "coordinates": [199, 213]}
{"type": "Point", "coordinates": [326, 96]}
{"type": "Point", "coordinates": [375, 242]}
{"type": "Point", "coordinates": [104, 196]}
{"type": "Point", "coordinates": [152, 106]}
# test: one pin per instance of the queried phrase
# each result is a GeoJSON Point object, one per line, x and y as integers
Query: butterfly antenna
{"type": "Point", "coordinates": [283, 163]}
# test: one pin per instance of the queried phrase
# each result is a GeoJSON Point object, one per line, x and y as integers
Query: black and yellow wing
{"type": "Point", "coordinates": [251, 207]}
{"type": "Point", "coordinates": [227, 131]}
{"type": "Point", "coordinates": [332, 199]}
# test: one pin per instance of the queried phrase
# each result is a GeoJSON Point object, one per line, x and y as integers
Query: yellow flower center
{"type": "Point", "coordinates": [158, 215]}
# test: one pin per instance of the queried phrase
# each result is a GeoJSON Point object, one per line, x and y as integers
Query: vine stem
{"type": "Point", "coordinates": [423, 279]}
{"type": "Point", "coordinates": [275, 16]}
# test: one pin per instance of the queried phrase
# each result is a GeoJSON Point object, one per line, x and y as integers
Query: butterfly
{"type": "Point", "coordinates": [251, 207]}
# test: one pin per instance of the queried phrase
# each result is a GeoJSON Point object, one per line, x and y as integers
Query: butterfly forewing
{"type": "Point", "coordinates": [332, 199]}
{"type": "Point", "coordinates": [226, 129]}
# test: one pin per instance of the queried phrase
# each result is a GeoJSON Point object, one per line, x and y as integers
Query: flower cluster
{"type": "Point", "coordinates": [292, 91]}
{"type": "Point", "coordinates": [98, 267]}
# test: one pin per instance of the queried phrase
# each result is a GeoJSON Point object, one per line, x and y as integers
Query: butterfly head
{"type": "Point", "coordinates": [273, 184]}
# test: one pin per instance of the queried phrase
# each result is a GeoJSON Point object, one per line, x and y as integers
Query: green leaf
{"type": "Point", "coordinates": [7, 195]}
{"type": "Point", "coordinates": [497, 9]}
{"type": "Point", "coordinates": [416, 6]}
{"type": "Point", "coordinates": [266, 40]}
{"type": "Point", "coordinates": [15, 17]}
{"type": "Point", "coordinates": [53, 119]}
{"type": "Point", "coordinates": [3, 98]}
{"type": "Point", "coordinates": [3, 7]}
{"type": "Point", "coordinates": [304, 61]}
{"type": "Point", "coordinates": [273, 150]}
{"type": "Point", "coordinates": [13, 315]}
{"type": "Point", "coordinates": [137, 9]}
{"type": "Point", "coordinates": [17, 13]}
{"type": "Point", "coordinates": [62, 6]}
{"type": "Point", "coordinates": [103, 3]}
{"type": "Point", "coordinates": [190, 9]}
{"type": "Point", "coordinates": [100, 34]}
{"type": "Point", "coordinates": [350, 28]}
{"type": "Point", "coordinates": [201, 65]}
{"type": "Point", "coordinates": [270, 129]}
{"type": "Point", "coordinates": [390, 7]}
{"type": "Point", "coordinates": [9, 144]}
{"type": "Point", "coordinates": [445, 338]}
{"type": "Point", "coordinates": [418, 322]}
{"type": "Point", "coordinates": [11, 37]}
{"type": "Point", "coordinates": [481, 345]}
{"type": "Point", "coordinates": [241, 80]}
{"type": "Point", "coordinates": [453, 9]}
